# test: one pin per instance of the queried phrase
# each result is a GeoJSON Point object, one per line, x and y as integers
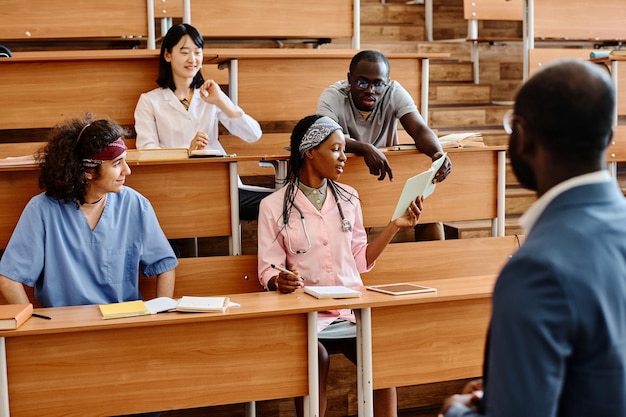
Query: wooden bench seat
{"type": "Point", "coordinates": [412, 261]}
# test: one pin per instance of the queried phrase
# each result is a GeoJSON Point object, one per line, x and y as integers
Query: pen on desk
{"type": "Point", "coordinates": [286, 271]}
{"type": "Point", "coordinates": [41, 316]}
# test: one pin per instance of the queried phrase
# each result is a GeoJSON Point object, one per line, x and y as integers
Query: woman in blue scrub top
{"type": "Point", "coordinates": [86, 238]}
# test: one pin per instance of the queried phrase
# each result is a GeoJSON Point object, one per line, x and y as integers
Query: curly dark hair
{"type": "Point", "coordinates": [62, 173]}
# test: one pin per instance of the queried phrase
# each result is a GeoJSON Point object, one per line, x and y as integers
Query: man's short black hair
{"type": "Point", "coordinates": [370, 56]}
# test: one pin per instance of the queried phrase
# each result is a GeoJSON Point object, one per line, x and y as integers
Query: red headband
{"type": "Point", "coordinates": [112, 151]}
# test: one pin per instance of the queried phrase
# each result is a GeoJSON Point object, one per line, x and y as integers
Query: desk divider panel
{"type": "Point", "coordinates": [63, 19]}
{"type": "Point", "coordinates": [579, 20]}
{"type": "Point", "coordinates": [276, 19]}
{"type": "Point", "coordinates": [469, 192]}
{"type": "Point", "coordinates": [190, 198]}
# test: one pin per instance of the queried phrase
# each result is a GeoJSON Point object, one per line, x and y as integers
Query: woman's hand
{"type": "Point", "coordinates": [199, 141]}
{"type": "Point", "coordinates": [412, 215]}
{"type": "Point", "coordinates": [210, 92]}
{"type": "Point", "coordinates": [288, 283]}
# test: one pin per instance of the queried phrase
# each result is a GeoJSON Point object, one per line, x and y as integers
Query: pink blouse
{"type": "Point", "coordinates": [334, 257]}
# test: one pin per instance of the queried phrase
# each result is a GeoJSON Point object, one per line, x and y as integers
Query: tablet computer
{"type": "Point", "coordinates": [401, 288]}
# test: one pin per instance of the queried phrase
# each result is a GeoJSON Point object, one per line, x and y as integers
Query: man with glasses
{"type": "Point", "coordinates": [368, 106]}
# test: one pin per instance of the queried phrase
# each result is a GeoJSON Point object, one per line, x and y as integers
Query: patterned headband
{"type": "Point", "coordinates": [317, 133]}
{"type": "Point", "coordinates": [112, 151]}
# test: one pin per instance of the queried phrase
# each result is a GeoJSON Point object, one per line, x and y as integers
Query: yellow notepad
{"type": "Point", "coordinates": [125, 309]}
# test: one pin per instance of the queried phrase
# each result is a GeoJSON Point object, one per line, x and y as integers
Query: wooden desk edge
{"type": "Point", "coordinates": [253, 305]}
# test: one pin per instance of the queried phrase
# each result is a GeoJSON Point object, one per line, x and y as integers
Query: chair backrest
{"type": "Point", "coordinates": [5, 52]}
{"type": "Point", "coordinates": [439, 259]}
{"type": "Point", "coordinates": [212, 275]}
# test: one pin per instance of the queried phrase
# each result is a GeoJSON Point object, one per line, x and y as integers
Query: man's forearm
{"type": "Point", "coordinates": [356, 147]}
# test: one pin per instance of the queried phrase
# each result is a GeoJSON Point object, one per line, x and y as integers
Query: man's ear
{"type": "Point", "coordinates": [526, 141]}
{"type": "Point", "coordinates": [609, 140]}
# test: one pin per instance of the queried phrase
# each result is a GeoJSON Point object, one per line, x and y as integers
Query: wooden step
{"type": "Point", "coordinates": [450, 71]}
{"type": "Point", "coordinates": [401, 32]}
{"type": "Point", "coordinates": [480, 228]}
{"type": "Point", "coordinates": [495, 136]}
{"type": "Point", "coordinates": [392, 14]}
{"type": "Point", "coordinates": [518, 200]}
{"type": "Point", "coordinates": [459, 93]}
{"type": "Point", "coordinates": [391, 47]}
{"type": "Point", "coordinates": [474, 117]}
{"type": "Point", "coordinates": [458, 50]}
{"type": "Point", "coordinates": [500, 29]}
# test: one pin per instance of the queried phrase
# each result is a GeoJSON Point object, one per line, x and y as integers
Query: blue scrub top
{"type": "Point", "coordinates": [54, 249]}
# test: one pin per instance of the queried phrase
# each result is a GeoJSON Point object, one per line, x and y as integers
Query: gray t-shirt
{"type": "Point", "coordinates": [380, 128]}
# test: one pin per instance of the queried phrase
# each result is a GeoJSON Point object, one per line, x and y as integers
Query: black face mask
{"type": "Point", "coordinates": [521, 169]}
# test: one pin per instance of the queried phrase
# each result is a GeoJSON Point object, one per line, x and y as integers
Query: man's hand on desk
{"type": "Point", "coordinates": [377, 163]}
{"type": "Point", "coordinates": [375, 160]}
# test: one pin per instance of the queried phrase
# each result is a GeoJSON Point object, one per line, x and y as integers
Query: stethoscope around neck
{"type": "Point", "coordinates": [345, 224]}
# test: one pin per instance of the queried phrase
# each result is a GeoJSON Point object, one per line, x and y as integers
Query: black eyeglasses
{"type": "Point", "coordinates": [377, 85]}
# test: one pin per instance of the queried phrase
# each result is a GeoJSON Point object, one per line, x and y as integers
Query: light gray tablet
{"type": "Point", "coordinates": [401, 288]}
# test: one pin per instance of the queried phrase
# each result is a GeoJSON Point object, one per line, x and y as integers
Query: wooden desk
{"type": "Point", "coordinates": [191, 197]}
{"type": "Point", "coordinates": [60, 84]}
{"type": "Point", "coordinates": [83, 365]}
{"type": "Point", "coordinates": [572, 21]}
{"type": "Point", "coordinates": [282, 19]}
{"type": "Point", "coordinates": [268, 150]}
{"type": "Point", "coordinates": [295, 78]}
{"type": "Point", "coordinates": [577, 19]}
{"type": "Point", "coordinates": [63, 19]}
{"type": "Point", "coordinates": [473, 191]}
{"type": "Point", "coordinates": [153, 370]}
{"type": "Point", "coordinates": [422, 339]}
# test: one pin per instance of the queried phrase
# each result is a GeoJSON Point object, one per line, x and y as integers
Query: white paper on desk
{"type": "Point", "coordinates": [420, 184]}
{"type": "Point", "coordinates": [13, 161]}
{"type": "Point", "coordinates": [160, 304]}
{"type": "Point", "coordinates": [199, 153]}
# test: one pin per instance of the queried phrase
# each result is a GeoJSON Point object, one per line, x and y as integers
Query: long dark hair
{"type": "Point", "coordinates": [171, 39]}
{"type": "Point", "coordinates": [62, 173]}
{"type": "Point", "coordinates": [295, 166]}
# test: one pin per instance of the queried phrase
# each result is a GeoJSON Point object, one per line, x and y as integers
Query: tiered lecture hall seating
{"type": "Point", "coordinates": [113, 80]}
